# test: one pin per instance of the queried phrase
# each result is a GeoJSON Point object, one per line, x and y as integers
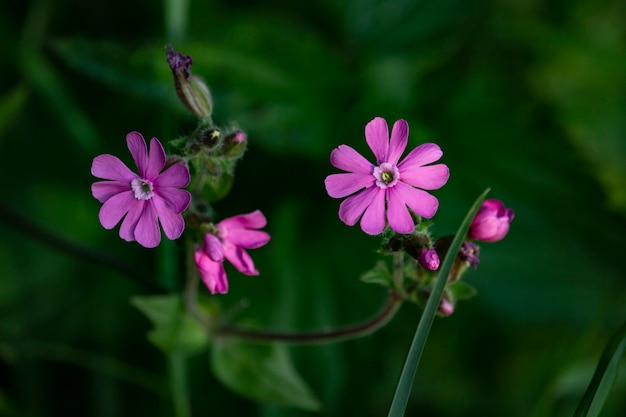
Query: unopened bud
{"type": "Point", "coordinates": [192, 90]}
{"type": "Point", "coordinates": [235, 144]}
{"type": "Point", "coordinates": [429, 259]}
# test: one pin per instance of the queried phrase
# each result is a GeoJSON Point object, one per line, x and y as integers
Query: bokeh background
{"type": "Point", "coordinates": [524, 96]}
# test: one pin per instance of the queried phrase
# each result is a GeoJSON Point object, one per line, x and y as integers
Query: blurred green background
{"type": "Point", "coordinates": [524, 96]}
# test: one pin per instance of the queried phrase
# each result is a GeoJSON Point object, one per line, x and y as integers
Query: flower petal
{"type": "Point", "coordinates": [171, 221]}
{"type": "Point", "coordinates": [430, 177]}
{"type": "Point", "coordinates": [424, 154]}
{"type": "Point", "coordinates": [399, 139]}
{"type": "Point", "coordinates": [147, 231]}
{"type": "Point", "coordinates": [254, 220]}
{"type": "Point", "coordinates": [346, 158]}
{"type": "Point", "coordinates": [421, 202]}
{"type": "Point", "coordinates": [247, 238]}
{"type": "Point", "coordinates": [398, 215]}
{"type": "Point", "coordinates": [178, 200]}
{"type": "Point", "coordinates": [127, 229]}
{"type": "Point", "coordinates": [373, 221]}
{"type": "Point", "coordinates": [342, 185]}
{"type": "Point", "coordinates": [176, 175]}
{"type": "Point", "coordinates": [137, 147]}
{"type": "Point", "coordinates": [212, 273]}
{"type": "Point", "coordinates": [352, 208]}
{"type": "Point", "coordinates": [109, 167]}
{"type": "Point", "coordinates": [156, 160]}
{"type": "Point", "coordinates": [213, 247]}
{"type": "Point", "coordinates": [377, 137]}
{"type": "Point", "coordinates": [115, 208]}
{"type": "Point", "coordinates": [240, 259]}
{"type": "Point", "coordinates": [103, 190]}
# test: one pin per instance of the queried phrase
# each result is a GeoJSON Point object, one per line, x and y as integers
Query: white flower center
{"type": "Point", "coordinates": [143, 189]}
{"type": "Point", "coordinates": [386, 175]}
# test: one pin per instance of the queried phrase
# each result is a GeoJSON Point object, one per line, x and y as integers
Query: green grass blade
{"type": "Point", "coordinates": [604, 376]}
{"type": "Point", "coordinates": [403, 390]}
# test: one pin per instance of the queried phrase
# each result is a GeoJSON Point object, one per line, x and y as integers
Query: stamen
{"type": "Point", "coordinates": [143, 189]}
{"type": "Point", "coordinates": [386, 175]}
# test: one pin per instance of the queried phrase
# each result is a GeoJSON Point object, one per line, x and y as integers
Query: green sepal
{"type": "Point", "coordinates": [263, 372]}
{"type": "Point", "coordinates": [175, 331]}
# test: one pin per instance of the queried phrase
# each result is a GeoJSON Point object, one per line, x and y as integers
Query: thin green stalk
{"type": "Point", "coordinates": [403, 390]}
{"type": "Point", "coordinates": [180, 388]}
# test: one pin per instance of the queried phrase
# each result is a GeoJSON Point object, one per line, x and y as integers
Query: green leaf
{"type": "Point", "coordinates": [600, 386]}
{"type": "Point", "coordinates": [263, 372]}
{"type": "Point", "coordinates": [380, 274]}
{"type": "Point", "coordinates": [175, 331]}
{"type": "Point", "coordinates": [461, 290]}
{"type": "Point", "coordinates": [403, 390]}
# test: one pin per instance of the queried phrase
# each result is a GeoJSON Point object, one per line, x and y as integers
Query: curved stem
{"type": "Point", "coordinates": [315, 337]}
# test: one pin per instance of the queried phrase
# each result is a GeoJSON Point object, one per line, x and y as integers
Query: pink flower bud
{"type": "Point", "coordinates": [446, 307]}
{"type": "Point", "coordinates": [429, 259]}
{"type": "Point", "coordinates": [491, 222]}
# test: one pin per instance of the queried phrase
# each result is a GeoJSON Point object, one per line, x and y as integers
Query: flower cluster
{"type": "Point", "coordinates": [228, 240]}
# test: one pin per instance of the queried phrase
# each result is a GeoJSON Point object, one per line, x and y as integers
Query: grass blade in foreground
{"type": "Point", "coordinates": [401, 397]}
{"type": "Point", "coordinates": [606, 371]}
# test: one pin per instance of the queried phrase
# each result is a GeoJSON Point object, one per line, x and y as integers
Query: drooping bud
{"type": "Point", "coordinates": [491, 222]}
{"type": "Point", "coordinates": [469, 253]}
{"type": "Point", "coordinates": [192, 90]}
{"type": "Point", "coordinates": [429, 259]}
{"type": "Point", "coordinates": [446, 307]}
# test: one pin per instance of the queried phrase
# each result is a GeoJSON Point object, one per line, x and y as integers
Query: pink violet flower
{"type": "Point", "coordinates": [492, 221]}
{"type": "Point", "coordinates": [144, 200]}
{"type": "Point", "coordinates": [380, 194]}
{"type": "Point", "coordinates": [232, 236]}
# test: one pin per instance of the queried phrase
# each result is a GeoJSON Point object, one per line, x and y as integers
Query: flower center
{"type": "Point", "coordinates": [386, 175]}
{"type": "Point", "coordinates": [143, 189]}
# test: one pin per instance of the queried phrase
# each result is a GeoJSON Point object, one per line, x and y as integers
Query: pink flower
{"type": "Point", "coordinates": [491, 222]}
{"type": "Point", "coordinates": [231, 237]}
{"type": "Point", "coordinates": [145, 199]}
{"type": "Point", "coordinates": [381, 193]}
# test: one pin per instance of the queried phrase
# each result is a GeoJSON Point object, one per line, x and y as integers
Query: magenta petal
{"type": "Point", "coordinates": [430, 177]}
{"type": "Point", "coordinates": [213, 247]}
{"type": "Point", "coordinates": [351, 209]}
{"type": "Point", "coordinates": [147, 231]}
{"type": "Point", "coordinates": [247, 238]}
{"type": "Point", "coordinates": [137, 147]}
{"type": "Point", "coordinates": [421, 202]}
{"type": "Point", "coordinates": [373, 221]}
{"type": "Point", "coordinates": [254, 220]}
{"type": "Point", "coordinates": [424, 154]}
{"type": "Point", "coordinates": [177, 199]}
{"type": "Point", "coordinates": [175, 176]}
{"type": "Point", "coordinates": [109, 167]}
{"type": "Point", "coordinates": [104, 190]}
{"type": "Point", "coordinates": [342, 185]}
{"type": "Point", "coordinates": [127, 229]}
{"type": "Point", "coordinates": [399, 139]}
{"type": "Point", "coordinates": [212, 273]}
{"type": "Point", "coordinates": [398, 215]}
{"type": "Point", "coordinates": [240, 259]}
{"type": "Point", "coordinates": [156, 160]}
{"type": "Point", "coordinates": [115, 208]}
{"type": "Point", "coordinates": [346, 158]}
{"type": "Point", "coordinates": [171, 221]}
{"type": "Point", "coordinates": [377, 137]}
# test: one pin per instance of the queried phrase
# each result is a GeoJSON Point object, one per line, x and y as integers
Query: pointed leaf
{"type": "Point", "coordinates": [262, 372]}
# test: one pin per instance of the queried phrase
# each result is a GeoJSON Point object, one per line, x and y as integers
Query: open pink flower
{"type": "Point", "coordinates": [143, 199]}
{"type": "Point", "coordinates": [491, 222]}
{"type": "Point", "coordinates": [381, 193]}
{"type": "Point", "coordinates": [231, 237]}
